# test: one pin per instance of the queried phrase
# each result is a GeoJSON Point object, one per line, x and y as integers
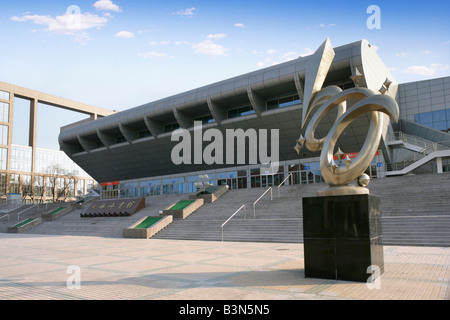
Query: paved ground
{"type": "Point", "coordinates": [42, 267]}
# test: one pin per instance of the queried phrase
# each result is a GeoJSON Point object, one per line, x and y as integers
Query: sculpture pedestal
{"type": "Point", "coordinates": [342, 237]}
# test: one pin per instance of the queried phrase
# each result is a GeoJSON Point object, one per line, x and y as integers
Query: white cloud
{"type": "Point", "coordinates": [66, 24]}
{"type": "Point", "coordinates": [429, 70]}
{"type": "Point", "coordinates": [124, 35]}
{"type": "Point", "coordinates": [239, 25]}
{"type": "Point", "coordinates": [186, 12]}
{"type": "Point", "coordinates": [402, 54]}
{"type": "Point", "coordinates": [426, 52]}
{"type": "Point", "coordinates": [154, 54]}
{"type": "Point", "coordinates": [106, 5]}
{"type": "Point", "coordinates": [162, 42]}
{"type": "Point", "coordinates": [209, 48]}
{"type": "Point", "coordinates": [216, 36]}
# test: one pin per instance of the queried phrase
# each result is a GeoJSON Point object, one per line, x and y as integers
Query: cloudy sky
{"type": "Point", "coordinates": [119, 54]}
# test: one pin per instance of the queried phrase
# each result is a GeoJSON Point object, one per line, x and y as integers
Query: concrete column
{"type": "Point", "coordinates": [439, 165]}
{"type": "Point", "coordinates": [33, 131]}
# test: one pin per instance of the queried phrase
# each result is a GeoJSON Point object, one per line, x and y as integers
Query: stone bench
{"type": "Point", "coordinates": [138, 231]}
{"type": "Point", "coordinates": [24, 225]}
{"type": "Point", "coordinates": [184, 212]}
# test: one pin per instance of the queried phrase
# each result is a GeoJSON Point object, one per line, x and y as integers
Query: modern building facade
{"type": "Point", "coordinates": [131, 153]}
{"type": "Point", "coordinates": [38, 174]}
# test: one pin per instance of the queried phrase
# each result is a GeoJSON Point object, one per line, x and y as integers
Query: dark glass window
{"type": "Point", "coordinates": [144, 133]}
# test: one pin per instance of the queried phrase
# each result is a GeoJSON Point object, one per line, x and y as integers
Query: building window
{"type": "Point", "coordinates": [206, 119]}
{"type": "Point", "coordinates": [283, 102]}
{"type": "Point", "coordinates": [4, 112]}
{"type": "Point", "coordinates": [2, 184]}
{"type": "Point", "coordinates": [120, 139]}
{"type": "Point", "coordinates": [144, 133]}
{"type": "Point", "coordinates": [439, 120]}
{"type": "Point", "coordinates": [171, 127]}
{"type": "Point", "coordinates": [50, 187]}
{"type": "Point", "coordinates": [21, 158]}
{"type": "Point", "coordinates": [4, 95]}
{"type": "Point", "coordinates": [14, 183]}
{"type": "Point", "coordinates": [239, 112]}
{"type": "Point", "coordinates": [80, 187]}
{"type": "Point", "coordinates": [60, 187]}
{"type": "Point", "coordinates": [3, 158]}
{"type": "Point", "coordinates": [38, 186]}
{"type": "Point", "coordinates": [71, 188]}
{"type": "Point", "coordinates": [3, 135]}
{"type": "Point", "coordinates": [27, 187]}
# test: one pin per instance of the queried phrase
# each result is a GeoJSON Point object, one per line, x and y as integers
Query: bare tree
{"type": "Point", "coordinates": [56, 172]}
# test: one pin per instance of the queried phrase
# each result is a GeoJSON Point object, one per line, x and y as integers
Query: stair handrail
{"type": "Point", "coordinates": [240, 208]}
{"type": "Point", "coordinates": [19, 213]}
{"type": "Point", "coordinates": [6, 215]}
{"type": "Point", "coordinates": [285, 179]}
{"type": "Point", "coordinates": [428, 148]}
{"type": "Point", "coordinates": [254, 203]}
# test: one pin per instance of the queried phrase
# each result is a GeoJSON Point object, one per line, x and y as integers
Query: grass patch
{"type": "Point", "coordinates": [149, 221]}
{"type": "Point", "coordinates": [23, 223]}
{"type": "Point", "coordinates": [181, 204]}
{"type": "Point", "coordinates": [56, 210]}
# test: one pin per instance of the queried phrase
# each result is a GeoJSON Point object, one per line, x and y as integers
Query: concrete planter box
{"type": "Point", "coordinates": [146, 233]}
{"type": "Point", "coordinates": [22, 227]}
{"type": "Point", "coordinates": [50, 216]}
{"type": "Point", "coordinates": [210, 197]}
{"type": "Point", "coordinates": [185, 212]}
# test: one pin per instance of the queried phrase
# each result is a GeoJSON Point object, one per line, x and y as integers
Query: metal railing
{"type": "Point", "coordinates": [427, 146]}
{"type": "Point", "coordinates": [260, 197]}
{"type": "Point", "coordinates": [223, 224]}
{"type": "Point", "coordinates": [6, 215]}
{"type": "Point", "coordinates": [19, 213]}
{"type": "Point", "coordinates": [285, 179]}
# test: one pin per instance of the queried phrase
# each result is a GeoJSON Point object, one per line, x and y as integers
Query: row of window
{"type": "Point", "coordinates": [439, 120]}
{"type": "Point", "coordinates": [52, 187]}
{"type": "Point", "coordinates": [21, 160]}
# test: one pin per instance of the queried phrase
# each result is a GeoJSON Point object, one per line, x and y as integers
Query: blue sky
{"type": "Point", "coordinates": [121, 54]}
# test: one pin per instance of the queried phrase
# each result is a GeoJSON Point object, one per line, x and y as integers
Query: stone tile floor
{"type": "Point", "coordinates": [39, 267]}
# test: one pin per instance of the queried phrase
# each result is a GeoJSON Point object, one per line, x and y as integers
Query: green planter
{"type": "Point", "coordinates": [147, 227]}
{"type": "Point", "coordinates": [24, 225]}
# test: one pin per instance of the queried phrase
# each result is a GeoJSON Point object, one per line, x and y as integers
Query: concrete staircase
{"type": "Point", "coordinates": [415, 211]}
{"type": "Point", "coordinates": [73, 224]}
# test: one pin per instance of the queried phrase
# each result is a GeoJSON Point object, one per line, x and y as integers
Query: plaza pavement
{"type": "Point", "coordinates": [41, 267]}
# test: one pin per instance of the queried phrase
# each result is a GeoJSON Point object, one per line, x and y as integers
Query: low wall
{"type": "Point", "coordinates": [183, 213]}
{"type": "Point", "coordinates": [146, 233]}
{"type": "Point", "coordinates": [50, 216]}
{"type": "Point", "coordinates": [22, 227]}
{"type": "Point", "coordinates": [114, 207]}
{"type": "Point", "coordinates": [210, 197]}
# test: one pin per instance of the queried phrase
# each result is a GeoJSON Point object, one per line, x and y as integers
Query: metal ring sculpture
{"type": "Point", "coordinates": [329, 98]}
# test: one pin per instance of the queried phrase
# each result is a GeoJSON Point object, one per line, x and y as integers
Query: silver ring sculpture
{"type": "Point", "coordinates": [340, 175]}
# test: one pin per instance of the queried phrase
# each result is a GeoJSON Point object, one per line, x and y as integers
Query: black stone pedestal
{"type": "Point", "coordinates": [342, 237]}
